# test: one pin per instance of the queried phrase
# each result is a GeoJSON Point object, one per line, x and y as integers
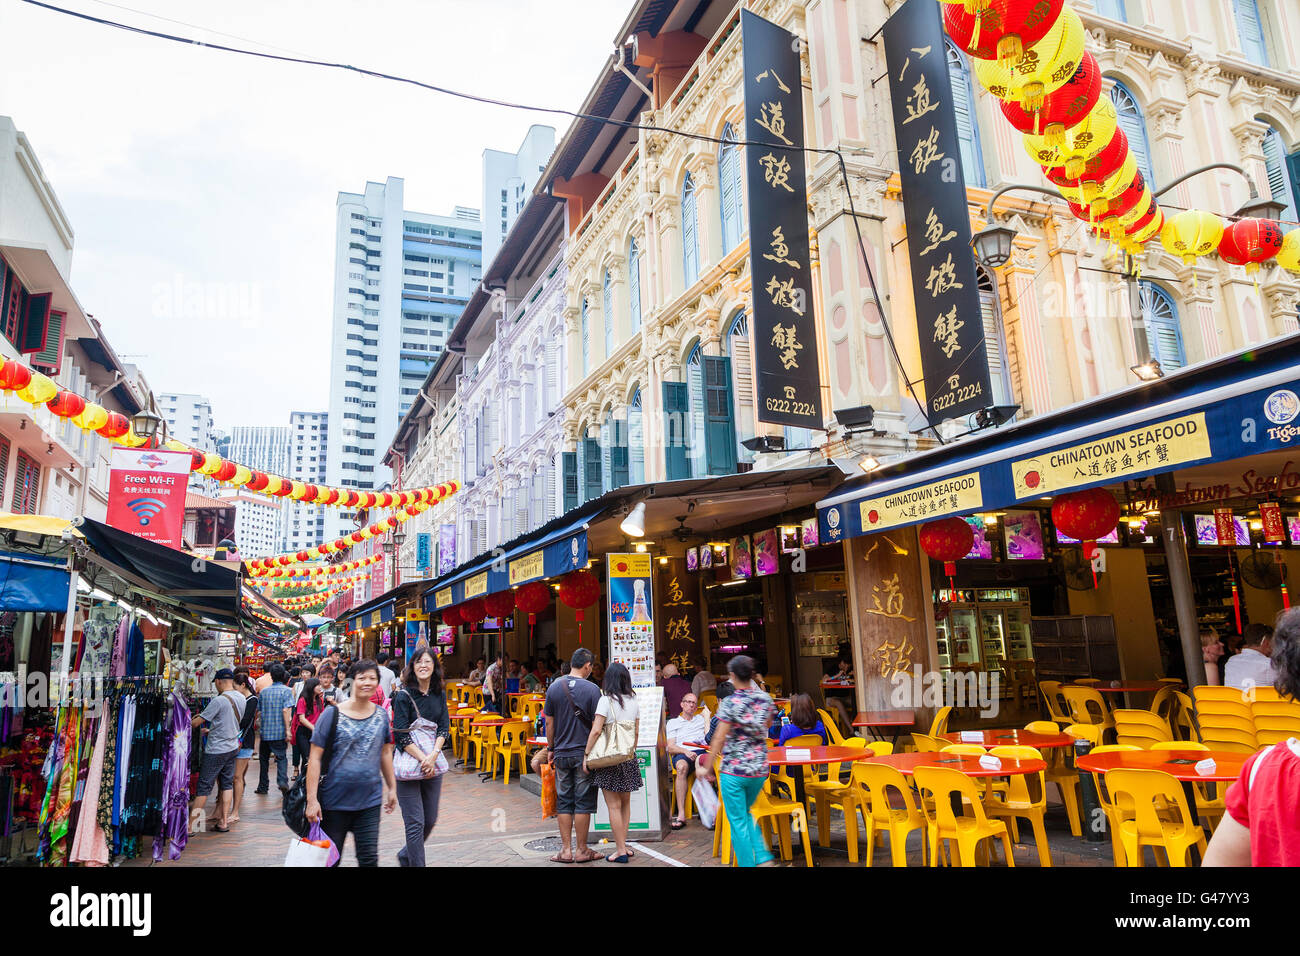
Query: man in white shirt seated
{"type": "Point", "coordinates": [1253, 663]}
{"type": "Point", "coordinates": [691, 726]}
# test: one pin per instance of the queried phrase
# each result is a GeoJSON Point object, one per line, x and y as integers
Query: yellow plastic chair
{"type": "Point", "coordinates": [1208, 805]}
{"type": "Point", "coordinates": [833, 735]}
{"type": "Point", "coordinates": [925, 744]}
{"type": "Point", "coordinates": [1183, 723]}
{"type": "Point", "coordinates": [986, 784]}
{"type": "Point", "coordinates": [937, 786]}
{"type": "Point", "coordinates": [721, 831]}
{"type": "Point", "coordinates": [880, 748]}
{"type": "Point", "coordinates": [830, 792]}
{"type": "Point", "coordinates": [769, 809]}
{"type": "Point", "coordinates": [512, 742]}
{"type": "Point", "coordinates": [1108, 805]}
{"type": "Point", "coordinates": [1089, 732]}
{"type": "Point", "coordinates": [939, 726]}
{"type": "Point", "coordinates": [875, 782]}
{"type": "Point", "coordinates": [1275, 719]}
{"type": "Point", "coordinates": [461, 733]}
{"type": "Point", "coordinates": [1061, 773]}
{"type": "Point", "coordinates": [489, 741]}
{"type": "Point", "coordinates": [1026, 796]}
{"type": "Point", "coordinates": [709, 700]}
{"type": "Point", "coordinates": [1087, 706]}
{"type": "Point", "coordinates": [1057, 709]}
{"type": "Point", "coordinates": [1141, 728]}
{"type": "Point", "coordinates": [475, 698]}
{"type": "Point", "coordinates": [1226, 719]}
{"type": "Point", "coordinates": [786, 774]}
{"type": "Point", "coordinates": [1164, 704]}
{"type": "Point", "coordinates": [1152, 811]}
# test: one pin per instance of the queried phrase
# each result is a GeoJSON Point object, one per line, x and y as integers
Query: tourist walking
{"type": "Point", "coordinates": [311, 703]}
{"type": "Point", "coordinates": [247, 731]}
{"type": "Point", "coordinates": [740, 739]}
{"type": "Point", "coordinates": [347, 794]}
{"type": "Point", "coordinates": [617, 705]}
{"type": "Point", "coordinates": [420, 711]}
{"type": "Point", "coordinates": [275, 708]}
{"type": "Point", "coordinates": [222, 715]}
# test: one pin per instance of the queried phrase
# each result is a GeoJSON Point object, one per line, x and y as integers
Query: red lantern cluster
{"type": "Point", "coordinates": [1086, 515]}
{"type": "Point", "coordinates": [947, 540]}
{"type": "Point", "coordinates": [579, 590]}
{"type": "Point", "coordinates": [1062, 110]}
{"type": "Point", "coordinates": [473, 611]}
{"type": "Point", "coordinates": [451, 616]}
{"type": "Point", "coordinates": [533, 598]}
{"type": "Point", "coordinates": [1000, 29]}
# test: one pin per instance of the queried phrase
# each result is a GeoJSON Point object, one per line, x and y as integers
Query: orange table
{"type": "Point", "coordinates": [969, 765]}
{"type": "Point", "coordinates": [1132, 687]}
{"type": "Point", "coordinates": [1012, 738]}
{"type": "Point", "coordinates": [1227, 766]}
{"type": "Point", "coordinates": [807, 756]}
{"type": "Point", "coordinates": [897, 719]}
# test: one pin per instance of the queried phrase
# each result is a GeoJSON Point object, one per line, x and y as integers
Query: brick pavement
{"type": "Point", "coordinates": [489, 824]}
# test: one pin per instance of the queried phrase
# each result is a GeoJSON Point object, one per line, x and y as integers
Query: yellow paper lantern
{"type": "Point", "coordinates": [211, 462]}
{"type": "Point", "coordinates": [132, 440]}
{"type": "Point", "coordinates": [1133, 243]}
{"type": "Point", "coordinates": [1082, 142]}
{"type": "Point", "coordinates": [1045, 67]}
{"type": "Point", "coordinates": [173, 445]}
{"type": "Point", "coordinates": [1108, 188]}
{"type": "Point", "coordinates": [1288, 257]}
{"type": "Point", "coordinates": [1191, 234]}
{"type": "Point", "coordinates": [242, 475]}
{"type": "Point", "coordinates": [297, 490]}
{"type": "Point", "coordinates": [92, 418]}
{"type": "Point", "coordinates": [39, 390]}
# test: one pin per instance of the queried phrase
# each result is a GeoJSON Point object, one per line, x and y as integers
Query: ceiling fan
{"type": "Point", "coordinates": [681, 532]}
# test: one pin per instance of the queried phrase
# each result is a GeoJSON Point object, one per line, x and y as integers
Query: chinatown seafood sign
{"type": "Point", "coordinates": [1252, 484]}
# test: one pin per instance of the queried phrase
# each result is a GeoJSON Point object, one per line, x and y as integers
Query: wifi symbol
{"type": "Point", "coordinates": [146, 508]}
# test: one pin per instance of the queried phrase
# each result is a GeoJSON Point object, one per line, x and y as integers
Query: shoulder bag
{"type": "Point", "coordinates": [615, 745]}
{"type": "Point", "coordinates": [294, 806]}
{"type": "Point", "coordinates": [424, 734]}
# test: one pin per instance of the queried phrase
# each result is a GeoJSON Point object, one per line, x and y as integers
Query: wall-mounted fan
{"type": "Point", "coordinates": [1260, 571]}
{"type": "Point", "coordinates": [1076, 570]}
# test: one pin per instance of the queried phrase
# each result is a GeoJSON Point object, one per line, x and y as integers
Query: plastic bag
{"type": "Point", "coordinates": [706, 802]}
{"type": "Point", "coordinates": [317, 835]}
{"type": "Point", "coordinates": [548, 791]}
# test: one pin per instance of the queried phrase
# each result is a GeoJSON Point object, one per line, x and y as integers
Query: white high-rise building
{"type": "Point", "coordinates": [261, 447]}
{"type": "Point", "coordinates": [401, 279]}
{"type": "Point", "coordinates": [308, 434]}
{"type": "Point", "coordinates": [189, 419]}
{"type": "Point", "coordinates": [258, 522]}
{"type": "Point", "coordinates": [508, 181]}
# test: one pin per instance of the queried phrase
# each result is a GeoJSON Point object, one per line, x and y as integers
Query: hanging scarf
{"type": "Point", "coordinates": [67, 786]}
{"type": "Point", "coordinates": [89, 845]}
{"type": "Point", "coordinates": [175, 827]}
{"type": "Point", "coordinates": [108, 780]}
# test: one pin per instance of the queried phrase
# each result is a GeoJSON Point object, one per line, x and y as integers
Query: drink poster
{"type": "Point", "coordinates": [982, 547]}
{"type": "Point", "coordinates": [631, 624]}
{"type": "Point", "coordinates": [809, 530]}
{"type": "Point", "coordinates": [742, 564]}
{"type": "Point", "coordinates": [1023, 531]}
{"type": "Point", "coordinates": [706, 557]}
{"type": "Point", "coordinates": [766, 557]}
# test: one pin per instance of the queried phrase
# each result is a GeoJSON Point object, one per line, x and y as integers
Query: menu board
{"type": "Point", "coordinates": [1207, 532]}
{"type": "Point", "coordinates": [1023, 533]}
{"type": "Point", "coordinates": [631, 624]}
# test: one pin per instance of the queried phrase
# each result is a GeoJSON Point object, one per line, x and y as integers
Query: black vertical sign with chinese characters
{"type": "Point", "coordinates": [950, 326]}
{"type": "Point", "coordinates": [785, 332]}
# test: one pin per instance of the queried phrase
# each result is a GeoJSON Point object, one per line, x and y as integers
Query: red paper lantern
{"type": "Point", "coordinates": [473, 611]}
{"type": "Point", "coordinates": [947, 540]}
{"type": "Point", "coordinates": [1000, 29]}
{"type": "Point", "coordinates": [533, 598]}
{"type": "Point", "coordinates": [66, 404]}
{"type": "Point", "coordinates": [391, 522]}
{"type": "Point", "coordinates": [1086, 515]}
{"type": "Point", "coordinates": [412, 510]}
{"type": "Point", "coordinates": [225, 471]}
{"type": "Point", "coordinates": [384, 500]}
{"type": "Point", "coordinates": [303, 556]}
{"type": "Point", "coordinates": [377, 528]}
{"type": "Point", "coordinates": [258, 481]}
{"type": "Point", "coordinates": [1098, 169]}
{"type": "Point", "coordinates": [350, 500]}
{"type": "Point", "coordinates": [116, 426]}
{"type": "Point", "coordinates": [501, 604]}
{"type": "Point", "coordinates": [1065, 108]}
{"type": "Point", "coordinates": [451, 616]}
{"type": "Point", "coordinates": [1248, 242]}
{"type": "Point", "coordinates": [14, 375]}
{"type": "Point", "coordinates": [357, 537]}
{"type": "Point", "coordinates": [196, 459]}
{"type": "Point", "coordinates": [579, 590]}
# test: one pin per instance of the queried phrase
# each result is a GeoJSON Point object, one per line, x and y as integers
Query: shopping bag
{"type": "Point", "coordinates": [317, 835]}
{"type": "Point", "coordinates": [306, 853]}
{"type": "Point", "coordinates": [706, 802]}
{"type": "Point", "coordinates": [548, 791]}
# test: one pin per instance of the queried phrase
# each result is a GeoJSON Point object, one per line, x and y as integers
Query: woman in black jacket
{"type": "Point", "coordinates": [420, 695]}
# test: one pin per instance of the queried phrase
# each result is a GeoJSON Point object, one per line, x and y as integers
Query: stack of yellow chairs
{"type": "Point", "coordinates": [1141, 728]}
{"type": "Point", "coordinates": [1276, 718]}
{"type": "Point", "coordinates": [1087, 706]}
{"type": "Point", "coordinates": [1057, 708]}
{"type": "Point", "coordinates": [1151, 810]}
{"type": "Point", "coordinates": [1225, 719]}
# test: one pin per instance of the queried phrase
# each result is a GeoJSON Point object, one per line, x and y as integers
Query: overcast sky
{"type": "Point", "coordinates": [201, 185]}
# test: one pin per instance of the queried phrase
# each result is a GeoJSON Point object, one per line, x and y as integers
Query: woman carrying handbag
{"type": "Point", "coordinates": [421, 718]}
{"type": "Point", "coordinates": [611, 754]}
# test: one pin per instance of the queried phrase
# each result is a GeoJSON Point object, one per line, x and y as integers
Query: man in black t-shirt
{"type": "Point", "coordinates": [570, 709]}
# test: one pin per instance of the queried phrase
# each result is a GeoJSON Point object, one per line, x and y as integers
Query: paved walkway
{"type": "Point", "coordinates": [489, 824]}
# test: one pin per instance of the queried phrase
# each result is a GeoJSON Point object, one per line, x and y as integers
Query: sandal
{"type": "Point", "coordinates": [677, 824]}
{"type": "Point", "coordinates": [617, 859]}
{"type": "Point", "coordinates": [590, 858]}
{"type": "Point", "coordinates": [561, 859]}
{"type": "Point", "coordinates": [217, 829]}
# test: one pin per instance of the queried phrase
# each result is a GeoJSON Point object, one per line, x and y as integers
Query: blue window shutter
{"type": "Point", "coordinates": [634, 285]}
{"type": "Point", "coordinates": [676, 412]}
{"type": "Point", "coordinates": [690, 244]}
{"type": "Point", "coordinates": [963, 101]}
{"type": "Point", "coordinates": [720, 425]}
{"type": "Point", "coordinates": [1164, 333]}
{"type": "Point", "coordinates": [1250, 29]}
{"type": "Point", "coordinates": [1134, 125]}
{"type": "Point", "coordinates": [570, 465]}
{"type": "Point", "coordinates": [732, 207]}
{"type": "Point", "coordinates": [591, 454]}
{"type": "Point", "coordinates": [1279, 174]}
{"type": "Point", "coordinates": [608, 303]}
{"type": "Point", "coordinates": [635, 441]}
{"type": "Point", "coordinates": [697, 431]}
{"type": "Point", "coordinates": [607, 453]}
{"type": "Point", "coordinates": [620, 459]}
{"type": "Point", "coordinates": [1293, 181]}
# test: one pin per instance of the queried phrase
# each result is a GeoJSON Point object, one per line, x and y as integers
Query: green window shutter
{"type": "Point", "coordinates": [676, 412]}
{"type": "Point", "coordinates": [591, 462]}
{"type": "Point", "coordinates": [570, 465]}
{"type": "Point", "coordinates": [720, 426]}
{"type": "Point", "coordinates": [51, 357]}
{"type": "Point", "coordinates": [36, 324]}
{"type": "Point", "coordinates": [619, 457]}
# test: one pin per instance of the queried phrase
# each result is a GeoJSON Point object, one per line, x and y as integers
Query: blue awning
{"type": "Point", "coordinates": [32, 583]}
{"type": "Point", "coordinates": [371, 618]}
{"type": "Point", "coordinates": [1233, 407]}
{"type": "Point", "coordinates": [544, 554]}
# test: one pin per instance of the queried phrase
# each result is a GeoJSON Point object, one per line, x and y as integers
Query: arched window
{"type": "Point", "coordinates": [742, 382]}
{"type": "Point", "coordinates": [607, 451]}
{"type": "Point", "coordinates": [1250, 29]}
{"type": "Point", "coordinates": [1134, 125]}
{"type": "Point", "coordinates": [690, 234]}
{"type": "Point", "coordinates": [607, 304]}
{"type": "Point", "coordinates": [614, 441]}
{"type": "Point", "coordinates": [634, 285]}
{"type": "Point", "coordinates": [586, 341]}
{"type": "Point", "coordinates": [729, 177]}
{"type": "Point", "coordinates": [1164, 334]}
{"type": "Point", "coordinates": [1279, 176]}
{"type": "Point", "coordinates": [963, 101]}
{"type": "Point", "coordinates": [695, 433]}
{"type": "Point", "coordinates": [994, 341]}
{"type": "Point", "coordinates": [635, 440]}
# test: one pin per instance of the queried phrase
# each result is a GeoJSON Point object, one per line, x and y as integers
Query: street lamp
{"type": "Point", "coordinates": [1148, 371]}
{"type": "Point", "coordinates": [992, 245]}
{"type": "Point", "coordinates": [146, 424]}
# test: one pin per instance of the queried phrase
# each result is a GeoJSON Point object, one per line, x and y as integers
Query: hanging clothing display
{"type": "Point", "coordinates": [89, 845]}
{"type": "Point", "coordinates": [175, 827]}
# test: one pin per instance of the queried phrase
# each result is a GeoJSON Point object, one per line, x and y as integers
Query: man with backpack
{"type": "Point", "coordinates": [223, 716]}
{"type": "Point", "coordinates": [570, 709]}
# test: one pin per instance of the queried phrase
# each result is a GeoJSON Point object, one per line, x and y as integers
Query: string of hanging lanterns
{"type": "Point", "coordinates": [314, 570]}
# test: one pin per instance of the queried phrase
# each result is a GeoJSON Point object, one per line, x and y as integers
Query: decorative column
{"type": "Point", "coordinates": [1197, 287]}
{"type": "Point", "coordinates": [668, 247]}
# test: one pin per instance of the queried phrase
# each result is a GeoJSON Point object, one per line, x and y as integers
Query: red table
{"type": "Point", "coordinates": [898, 719]}
{"type": "Point", "coordinates": [1012, 738]}
{"type": "Point", "coordinates": [1227, 767]}
{"type": "Point", "coordinates": [1132, 687]}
